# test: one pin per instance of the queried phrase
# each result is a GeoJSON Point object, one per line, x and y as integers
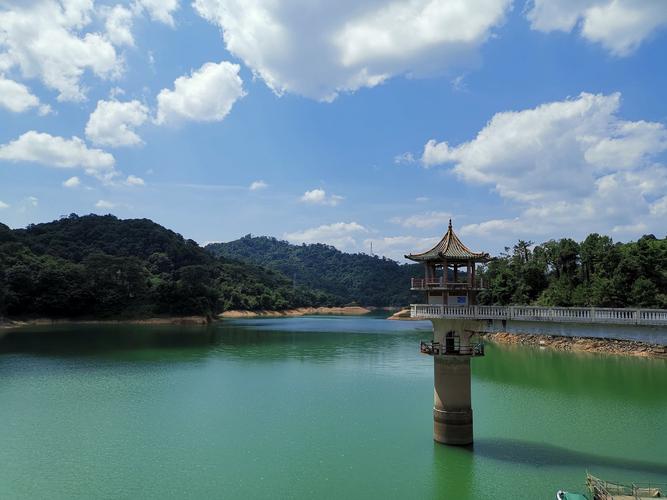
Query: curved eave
{"type": "Point", "coordinates": [483, 257]}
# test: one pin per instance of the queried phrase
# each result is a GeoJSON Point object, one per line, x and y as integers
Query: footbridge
{"type": "Point", "coordinates": [583, 315]}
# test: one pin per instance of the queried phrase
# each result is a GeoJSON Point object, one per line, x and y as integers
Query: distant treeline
{"type": "Point", "coordinates": [103, 267]}
{"type": "Point", "coordinates": [352, 278]}
{"type": "Point", "coordinates": [596, 272]}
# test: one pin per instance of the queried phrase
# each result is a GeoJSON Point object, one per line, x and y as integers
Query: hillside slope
{"type": "Point", "coordinates": [353, 278]}
{"type": "Point", "coordinates": [103, 267]}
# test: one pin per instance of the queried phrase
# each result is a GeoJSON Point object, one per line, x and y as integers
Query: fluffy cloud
{"type": "Point", "coordinates": [112, 123]}
{"type": "Point", "coordinates": [327, 47]}
{"type": "Point", "coordinates": [3, 205]}
{"type": "Point", "coordinates": [426, 220]}
{"type": "Point", "coordinates": [54, 151]}
{"type": "Point", "coordinates": [159, 10]}
{"type": "Point", "coordinates": [340, 234]}
{"type": "Point", "coordinates": [17, 98]}
{"type": "Point", "coordinates": [572, 165]}
{"type": "Point", "coordinates": [258, 185]}
{"type": "Point", "coordinates": [119, 20]}
{"type": "Point", "coordinates": [44, 40]}
{"type": "Point", "coordinates": [72, 182]}
{"type": "Point", "coordinates": [208, 94]}
{"type": "Point", "coordinates": [133, 180]}
{"type": "Point", "coordinates": [620, 26]}
{"type": "Point", "coordinates": [320, 197]}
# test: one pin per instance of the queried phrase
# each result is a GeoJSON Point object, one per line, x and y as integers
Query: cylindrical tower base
{"type": "Point", "coordinates": [452, 427]}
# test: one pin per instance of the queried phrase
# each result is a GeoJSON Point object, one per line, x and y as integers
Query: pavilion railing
{"type": "Point", "coordinates": [427, 283]}
{"type": "Point", "coordinates": [553, 314]}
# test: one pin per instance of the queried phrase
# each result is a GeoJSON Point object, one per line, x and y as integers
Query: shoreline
{"type": "Point", "coordinates": [301, 311]}
{"type": "Point", "coordinates": [167, 320]}
{"type": "Point", "coordinates": [580, 344]}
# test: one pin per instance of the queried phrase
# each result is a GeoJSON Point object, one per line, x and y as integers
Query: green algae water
{"type": "Point", "coordinates": [313, 407]}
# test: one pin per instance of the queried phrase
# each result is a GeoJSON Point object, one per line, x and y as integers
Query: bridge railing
{"type": "Point", "coordinates": [534, 313]}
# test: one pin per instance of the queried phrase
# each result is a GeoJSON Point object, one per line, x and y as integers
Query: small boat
{"type": "Point", "coordinates": [599, 489]}
{"type": "Point", "coordinates": [566, 495]}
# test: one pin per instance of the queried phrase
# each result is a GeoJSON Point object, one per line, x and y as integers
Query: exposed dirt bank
{"type": "Point", "coordinates": [582, 344]}
{"type": "Point", "coordinates": [178, 320]}
{"type": "Point", "coordinates": [403, 314]}
{"type": "Point", "coordinates": [303, 311]}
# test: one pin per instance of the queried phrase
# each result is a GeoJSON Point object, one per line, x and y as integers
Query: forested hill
{"type": "Point", "coordinates": [595, 272]}
{"type": "Point", "coordinates": [353, 278]}
{"type": "Point", "coordinates": [103, 267]}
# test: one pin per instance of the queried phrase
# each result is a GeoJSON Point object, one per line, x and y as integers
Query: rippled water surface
{"type": "Point", "coordinates": [309, 407]}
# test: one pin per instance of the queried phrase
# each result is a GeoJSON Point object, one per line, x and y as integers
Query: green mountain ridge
{"type": "Point", "coordinates": [353, 278]}
{"type": "Point", "coordinates": [104, 267]}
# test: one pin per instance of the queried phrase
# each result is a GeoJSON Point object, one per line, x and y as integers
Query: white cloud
{"type": "Point", "coordinates": [104, 204]}
{"type": "Point", "coordinates": [395, 247]}
{"type": "Point", "coordinates": [208, 94]}
{"type": "Point", "coordinates": [113, 122]}
{"type": "Point", "coordinates": [72, 182]}
{"type": "Point", "coordinates": [323, 48]}
{"type": "Point", "coordinates": [620, 26]}
{"type": "Point", "coordinates": [258, 185]}
{"type": "Point", "coordinates": [404, 158]}
{"type": "Point", "coordinates": [569, 167]}
{"type": "Point", "coordinates": [340, 235]}
{"type": "Point", "coordinates": [426, 220]}
{"type": "Point", "coordinates": [15, 96]}
{"type": "Point", "coordinates": [159, 10]}
{"type": "Point", "coordinates": [44, 39]}
{"type": "Point", "coordinates": [3, 205]}
{"type": "Point", "coordinates": [319, 197]}
{"type": "Point", "coordinates": [53, 151]}
{"type": "Point", "coordinates": [133, 180]}
{"type": "Point", "coordinates": [118, 25]}
{"type": "Point", "coordinates": [659, 207]}
{"type": "Point", "coordinates": [32, 201]}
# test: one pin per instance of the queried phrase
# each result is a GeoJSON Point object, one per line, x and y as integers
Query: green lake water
{"type": "Point", "coordinates": [312, 407]}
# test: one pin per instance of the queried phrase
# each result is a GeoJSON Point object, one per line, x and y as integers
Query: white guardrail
{"type": "Point", "coordinates": [648, 317]}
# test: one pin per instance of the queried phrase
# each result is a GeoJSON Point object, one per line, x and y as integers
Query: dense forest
{"type": "Point", "coordinates": [352, 278]}
{"type": "Point", "coordinates": [596, 272]}
{"type": "Point", "coordinates": [103, 267]}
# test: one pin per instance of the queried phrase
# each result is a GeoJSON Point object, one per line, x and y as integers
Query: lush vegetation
{"type": "Point", "coordinates": [352, 278]}
{"type": "Point", "coordinates": [596, 272]}
{"type": "Point", "coordinates": [103, 267]}
{"type": "Point", "coordinates": [100, 266]}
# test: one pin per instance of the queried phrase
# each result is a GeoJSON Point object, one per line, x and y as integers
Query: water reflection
{"type": "Point", "coordinates": [317, 339]}
{"type": "Point", "coordinates": [577, 374]}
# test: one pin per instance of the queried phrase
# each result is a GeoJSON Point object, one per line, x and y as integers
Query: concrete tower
{"type": "Point", "coordinates": [454, 341]}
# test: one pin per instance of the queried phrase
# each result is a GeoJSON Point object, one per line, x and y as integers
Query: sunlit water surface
{"type": "Point", "coordinates": [313, 407]}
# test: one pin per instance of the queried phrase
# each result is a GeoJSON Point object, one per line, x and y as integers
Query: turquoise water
{"type": "Point", "coordinates": [322, 407]}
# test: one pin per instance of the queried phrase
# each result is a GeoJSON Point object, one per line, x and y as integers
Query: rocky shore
{"type": "Point", "coordinates": [581, 344]}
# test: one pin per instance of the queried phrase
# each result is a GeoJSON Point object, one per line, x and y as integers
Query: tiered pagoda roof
{"type": "Point", "coordinates": [450, 248]}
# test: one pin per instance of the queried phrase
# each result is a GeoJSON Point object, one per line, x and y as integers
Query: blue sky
{"type": "Point", "coordinates": [342, 123]}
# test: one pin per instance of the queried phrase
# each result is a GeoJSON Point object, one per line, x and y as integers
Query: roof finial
{"type": "Point", "coordinates": [450, 224]}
